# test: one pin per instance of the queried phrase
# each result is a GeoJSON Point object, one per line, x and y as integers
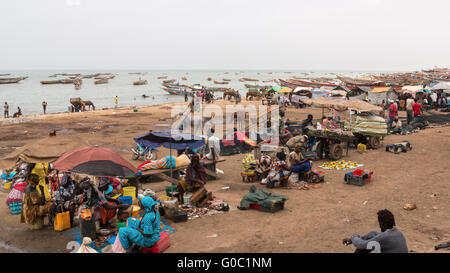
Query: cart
{"type": "Point", "coordinates": [329, 143]}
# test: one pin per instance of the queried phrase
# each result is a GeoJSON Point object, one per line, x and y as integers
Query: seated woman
{"type": "Point", "coordinates": [34, 208]}
{"type": "Point", "coordinates": [297, 163]}
{"type": "Point", "coordinates": [278, 171]}
{"type": "Point", "coordinates": [396, 126]}
{"type": "Point", "coordinates": [65, 199]}
{"type": "Point", "coordinates": [264, 165]}
{"type": "Point", "coordinates": [108, 206]}
{"type": "Point", "coordinates": [195, 178]}
{"type": "Point", "coordinates": [144, 232]}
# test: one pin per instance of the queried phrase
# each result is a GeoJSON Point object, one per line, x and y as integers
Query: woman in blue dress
{"type": "Point", "coordinates": [144, 232]}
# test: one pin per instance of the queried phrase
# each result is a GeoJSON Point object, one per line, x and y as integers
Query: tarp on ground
{"type": "Point", "coordinates": [45, 150]}
{"type": "Point", "coordinates": [261, 197]}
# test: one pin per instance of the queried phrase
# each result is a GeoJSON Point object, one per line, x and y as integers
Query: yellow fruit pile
{"type": "Point", "coordinates": [340, 165]}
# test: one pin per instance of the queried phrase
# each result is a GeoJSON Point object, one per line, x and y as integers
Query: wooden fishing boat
{"type": "Point", "coordinates": [170, 81]}
{"type": "Point", "coordinates": [162, 77]}
{"type": "Point", "coordinates": [140, 82]}
{"type": "Point", "coordinates": [175, 91]}
{"type": "Point", "coordinates": [183, 78]}
{"type": "Point", "coordinates": [267, 81]}
{"type": "Point", "coordinates": [216, 82]}
{"type": "Point", "coordinates": [351, 81]}
{"type": "Point", "coordinates": [7, 81]}
{"type": "Point", "coordinates": [257, 86]}
{"type": "Point", "coordinates": [248, 80]}
{"type": "Point", "coordinates": [101, 81]}
{"type": "Point", "coordinates": [5, 74]}
{"type": "Point", "coordinates": [226, 80]}
{"type": "Point", "coordinates": [209, 79]}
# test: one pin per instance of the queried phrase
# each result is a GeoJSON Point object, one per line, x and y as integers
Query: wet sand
{"type": "Point", "coordinates": [314, 220]}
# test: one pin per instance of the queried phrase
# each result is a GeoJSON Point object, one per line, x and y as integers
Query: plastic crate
{"type": "Point", "coordinates": [15, 207]}
{"type": "Point", "coordinates": [356, 180]}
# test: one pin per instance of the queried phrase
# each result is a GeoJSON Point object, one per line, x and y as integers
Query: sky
{"type": "Point", "coordinates": [332, 35]}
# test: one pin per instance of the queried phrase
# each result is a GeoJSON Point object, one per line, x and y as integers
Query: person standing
{"type": "Point", "coordinates": [44, 106]}
{"type": "Point", "coordinates": [409, 109]}
{"type": "Point", "coordinates": [434, 100]}
{"type": "Point", "coordinates": [6, 108]}
{"type": "Point", "coordinates": [214, 145]}
{"type": "Point", "coordinates": [417, 108]}
{"type": "Point", "coordinates": [392, 114]}
{"type": "Point", "coordinates": [116, 102]}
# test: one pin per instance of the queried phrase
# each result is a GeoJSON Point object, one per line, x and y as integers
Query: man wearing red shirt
{"type": "Point", "coordinates": [416, 108]}
{"type": "Point", "coordinates": [392, 114]}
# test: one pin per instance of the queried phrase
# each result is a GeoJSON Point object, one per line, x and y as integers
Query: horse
{"type": "Point", "coordinates": [89, 103]}
{"type": "Point", "coordinates": [229, 93]}
{"type": "Point", "coordinates": [252, 94]}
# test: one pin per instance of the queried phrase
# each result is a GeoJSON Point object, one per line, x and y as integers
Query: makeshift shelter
{"type": "Point", "coordinates": [378, 94]}
{"type": "Point", "coordinates": [359, 92]}
{"type": "Point", "coordinates": [274, 89]}
{"type": "Point", "coordinates": [441, 86]}
{"type": "Point", "coordinates": [42, 151]}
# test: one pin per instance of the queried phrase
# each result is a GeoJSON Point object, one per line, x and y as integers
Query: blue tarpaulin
{"type": "Point", "coordinates": [170, 139]}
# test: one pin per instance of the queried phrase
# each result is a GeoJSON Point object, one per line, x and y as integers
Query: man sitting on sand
{"type": "Point", "coordinates": [396, 126]}
{"type": "Point", "coordinates": [389, 240]}
{"type": "Point", "coordinates": [297, 163]}
{"type": "Point", "coordinates": [195, 178]}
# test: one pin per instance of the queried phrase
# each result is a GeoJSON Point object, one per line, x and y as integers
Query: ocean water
{"type": "Point", "coordinates": [29, 93]}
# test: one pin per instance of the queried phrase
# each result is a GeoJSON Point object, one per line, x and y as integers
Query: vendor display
{"type": "Point", "coordinates": [340, 165]}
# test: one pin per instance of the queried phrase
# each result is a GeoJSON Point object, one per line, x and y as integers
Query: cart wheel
{"type": "Point", "coordinates": [336, 151]}
{"type": "Point", "coordinates": [320, 148]}
{"type": "Point", "coordinates": [374, 142]}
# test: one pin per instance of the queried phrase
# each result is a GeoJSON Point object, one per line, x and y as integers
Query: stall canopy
{"type": "Point", "coordinates": [170, 139]}
{"type": "Point", "coordinates": [356, 104]}
{"type": "Point", "coordinates": [273, 89]}
{"type": "Point", "coordinates": [94, 160]}
{"type": "Point", "coordinates": [441, 86]}
{"type": "Point", "coordinates": [285, 90]}
{"type": "Point", "coordinates": [42, 151]}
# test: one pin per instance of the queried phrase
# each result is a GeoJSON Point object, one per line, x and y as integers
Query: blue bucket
{"type": "Point", "coordinates": [126, 199]}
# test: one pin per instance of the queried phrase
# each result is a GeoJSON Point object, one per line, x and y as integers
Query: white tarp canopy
{"type": "Point", "coordinates": [441, 85]}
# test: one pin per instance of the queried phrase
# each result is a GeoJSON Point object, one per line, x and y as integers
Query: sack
{"type": "Point", "coordinates": [84, 248]}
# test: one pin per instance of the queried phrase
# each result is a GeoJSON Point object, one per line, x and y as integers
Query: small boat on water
{"type": "Point", "coordinates": [101, 81]}
{"type": "Point", "coordinates": [216, 82]}
{"type": "Point", "coordinates": [5, 74]}
{"type": "Point", "coordinates": [170, 81]}
{"type": "Point", "coordinates": [175, 91]}
{"type": "Point", "coordinates": [162, 77]}
{"type": "Point", "coordinates": [184, 79]}
{"type": "Point", "coordinates": [257, 86]}
{"type": "Point", "coordinates": [63, 81]}
{"type": "Point", "coordinates": [140, 82]}
{"type": "Point", "coordinates": [11, 80]}
{"type": "Point", "coordinates": [226, 80]}
{"type": "Point", "coordinates": [267, 81]}
{"type": "Point", "coordinates": [209, 79]}
{"type": "Point", "coordinates": [248, 80]}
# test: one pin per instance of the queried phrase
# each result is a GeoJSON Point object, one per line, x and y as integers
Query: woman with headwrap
{"type": "Point", "coordinates": [144, 232]}
{"type": "Point", "coordinates": [34, 207]}
{"type": "Point", "coordinates": [108, 205]}
{"type": "Point", "coordinates": [65, 199]}
{"type": "Point", "coordinates": [195, 178]}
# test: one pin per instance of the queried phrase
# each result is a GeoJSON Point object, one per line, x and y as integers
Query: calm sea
{"type": "Point", "coordinates": [29, 93]}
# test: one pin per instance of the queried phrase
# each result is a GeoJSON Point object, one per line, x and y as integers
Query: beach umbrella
{"type": "Point", "coordinates": [273, 89]}
{"type": "Point", "coordinates": [285, 90]}
{"type": "Point", "coordinates": [96, 161]}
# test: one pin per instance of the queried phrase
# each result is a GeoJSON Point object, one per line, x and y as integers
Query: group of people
{"type": "Point", "coordinates": [6, 111]}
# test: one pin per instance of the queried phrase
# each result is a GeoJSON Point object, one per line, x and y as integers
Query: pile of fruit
{"type": "Point", "coordinates": [340, 165]}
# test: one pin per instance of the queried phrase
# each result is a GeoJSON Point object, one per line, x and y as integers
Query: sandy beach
{"type": "Point", "coordinates": [314, 220]}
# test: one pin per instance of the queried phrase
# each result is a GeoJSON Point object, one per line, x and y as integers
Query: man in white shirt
{"type": "Point", "coordinates": [214, 143]}
{"type": "Point", "coordinates": [434, 99]}
{"type": "Point", "coordinates": [409, 109]}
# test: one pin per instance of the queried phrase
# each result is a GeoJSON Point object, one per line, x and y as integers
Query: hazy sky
{"type": "Point", "coordinates": [225, 34]}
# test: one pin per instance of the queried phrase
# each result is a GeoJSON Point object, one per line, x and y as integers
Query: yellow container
{"type": "Point", "coordinates": [129, 191]}
{"type": "Point", "coordinates": [361, 148]}
{"type": "Point", "coordinates": [7, 185]}
{"type": "Point", "coordinates": [62, 221]}
{"type": "Point", "coordinates": [135, 211]}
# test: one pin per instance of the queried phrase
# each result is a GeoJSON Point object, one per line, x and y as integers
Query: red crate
{"type": "Point", "coordinates": [160, 246]}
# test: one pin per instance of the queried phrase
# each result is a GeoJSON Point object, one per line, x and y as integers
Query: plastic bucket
{"type": "Point", "coordinates": [126, 199]}
{"type": "Point", "coordinates": [15, 207]}
{"type": "Point", "coordinates": [129, 191]}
